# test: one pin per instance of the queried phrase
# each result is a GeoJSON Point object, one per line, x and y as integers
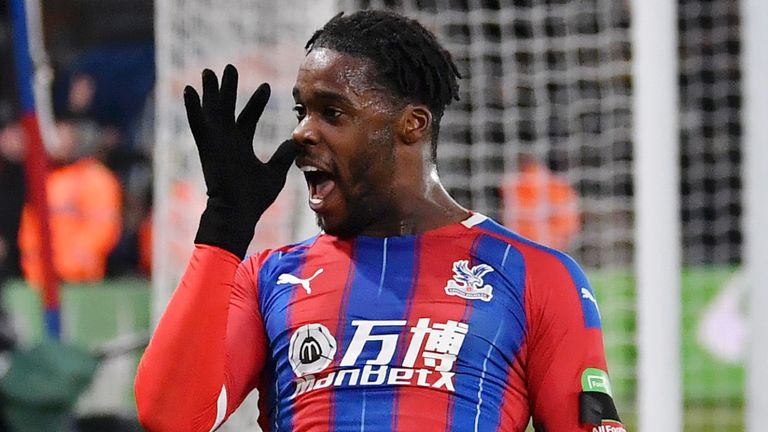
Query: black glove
{"type": "Point", "coordinates": [240, 186]}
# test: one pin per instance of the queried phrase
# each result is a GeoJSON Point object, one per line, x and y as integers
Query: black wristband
{"type": "Point", "coordinates": [222, 226]}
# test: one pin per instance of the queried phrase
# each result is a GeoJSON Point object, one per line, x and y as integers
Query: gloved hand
{"type": "Point", "coordinates": [240, 186]}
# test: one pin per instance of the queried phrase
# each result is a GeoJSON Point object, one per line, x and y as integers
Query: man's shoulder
{"type": "Point", "coordinates": [511, 244]}
{"type": "Point", "coordinates": [290, 250]}
{"type": "Point", "coordinates": [492, 229]}
{"type": "Point", "coordinates": [264, 264]}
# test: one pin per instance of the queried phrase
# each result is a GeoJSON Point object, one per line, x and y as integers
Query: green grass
{"type": "Point", "coordinates": [91, 313]}
{"type": "Point", "coordinates": [713, 390]}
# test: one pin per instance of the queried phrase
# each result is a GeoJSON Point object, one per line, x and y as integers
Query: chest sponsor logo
{"type": "Point", "coordinates": [609, 426]}
{"type": "Point", "coordinates": [468, 282]}
{"type": "Point", "coordinates": [428, 361]}
{"type": "Point", "coordinates": [287, 278]}
{"type": "Point", "coordinates": [311, 349]}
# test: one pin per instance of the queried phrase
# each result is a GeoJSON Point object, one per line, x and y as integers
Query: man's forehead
{"type": "Point", "coordinates": [328, 71]}
{"type": "Point", "coordinates": [319, 58]}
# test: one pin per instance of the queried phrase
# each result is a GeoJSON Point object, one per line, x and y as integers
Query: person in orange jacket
{"type": "Point", "coordinates": [540, 205]}
{"type": "Point", "coordinates": [84, 201]}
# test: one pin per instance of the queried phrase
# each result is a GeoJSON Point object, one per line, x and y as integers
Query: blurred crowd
{"type": "Point", "coordinates": [99, 181]}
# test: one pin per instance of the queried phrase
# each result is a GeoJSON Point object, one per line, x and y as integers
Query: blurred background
{"type": "Point", "coordinates": [542, 140]}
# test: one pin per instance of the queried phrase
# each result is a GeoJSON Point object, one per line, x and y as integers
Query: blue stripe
{"type": "Point", "coordinates": [496, 333]}
{"type": "Point", "coordinates": [589, 308]}
{"type": "Point", "coordinates": [376, 294]}
{"type": "Point", "coordinates": [23, 61]}
{"type": "Point", "coordinates": [275, 305]}
{"type": "Point", "coordinates": [482, 404]}
{"type": "Point", "coordinates": [414, 245]}
{"type": "Point", "coordinates": [53, 323]}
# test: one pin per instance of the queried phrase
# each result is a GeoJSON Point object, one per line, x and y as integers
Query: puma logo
{"type": "Point", "coordinates": [287, 278]}
{"type": "Point", "coordinates": [588, 295]}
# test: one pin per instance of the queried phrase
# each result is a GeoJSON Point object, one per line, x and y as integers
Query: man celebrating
{"type": "Point", "coordinates": [408, 312]}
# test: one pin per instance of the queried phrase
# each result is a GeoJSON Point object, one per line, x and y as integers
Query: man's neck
{"type": "Point", "coordinates": [419, 209]}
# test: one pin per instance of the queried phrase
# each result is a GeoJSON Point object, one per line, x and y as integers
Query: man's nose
{"type": "Point", "coordinates": [306, 132]}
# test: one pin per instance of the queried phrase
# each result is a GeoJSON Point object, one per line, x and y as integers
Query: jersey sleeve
{"type": "Point", "coordinates": [208, 349]}
{"type": "Point", "coordinates": [566, 368]}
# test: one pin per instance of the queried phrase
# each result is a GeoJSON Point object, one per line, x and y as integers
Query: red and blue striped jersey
{"type": "Point", "coordinates": [468, 327]}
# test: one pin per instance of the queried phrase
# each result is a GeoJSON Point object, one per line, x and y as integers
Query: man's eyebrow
{"type": "Point", "coordinates": [323, 95]}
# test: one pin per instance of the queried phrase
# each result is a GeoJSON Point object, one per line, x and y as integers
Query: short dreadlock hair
{"type": "Point", "coordinates": [407, 58]}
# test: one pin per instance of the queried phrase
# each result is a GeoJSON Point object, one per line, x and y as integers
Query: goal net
{"type": "Point", "coordinates": [546, 88]}
{"type": "Point", "coordinates": [714, 289]}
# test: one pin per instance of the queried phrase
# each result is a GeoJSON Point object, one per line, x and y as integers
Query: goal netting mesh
{"type": "Point", "coordinates": [714, 291]}
{"type": "Point", "coordinates": [543, 81]}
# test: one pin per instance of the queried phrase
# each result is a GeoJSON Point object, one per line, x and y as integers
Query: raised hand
{"type": "Point", "coordinates": [240, 186]}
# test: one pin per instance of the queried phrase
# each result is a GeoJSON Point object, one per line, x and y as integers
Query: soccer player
{"type": "Point", "coordinates": [407, 312]}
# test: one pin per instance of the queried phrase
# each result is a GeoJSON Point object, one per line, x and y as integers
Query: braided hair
{"type": "Point", "coordinates": [407, 58]}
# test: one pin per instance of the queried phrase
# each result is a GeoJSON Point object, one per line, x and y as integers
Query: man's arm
{"type": "Point", "coordinates": [566, 368]}
{"type": "Point", "coordinates": [209, 347]}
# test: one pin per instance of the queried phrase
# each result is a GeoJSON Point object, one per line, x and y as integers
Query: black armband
{"type": "Point", "coordinates": [597, 409]}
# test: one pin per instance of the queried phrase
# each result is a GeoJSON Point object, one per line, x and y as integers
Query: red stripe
{"type": "Point", "coordinates": [465, 318]}
{"type": "Point", "coordinates": [314, 410]}
{"type": "Point", "coordinates": [37, 174]}
{"type": "Point", "coordinates": [420, 407]}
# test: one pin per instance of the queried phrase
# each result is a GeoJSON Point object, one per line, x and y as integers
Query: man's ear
{"type": "Point", "coordinates": [415, 123]}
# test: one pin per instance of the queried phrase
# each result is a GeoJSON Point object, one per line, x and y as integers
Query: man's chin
{"type": "Point", "coordinates": [345, 229]}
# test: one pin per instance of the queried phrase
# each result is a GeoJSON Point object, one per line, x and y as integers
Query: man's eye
{"type": "Point", "coordinates": [331, 113]}
{"type": "Point", "coordinates": [300, 111]}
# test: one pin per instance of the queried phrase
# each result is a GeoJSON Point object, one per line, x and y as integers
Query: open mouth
{"type": "Point", "coordinates": [321, 184]}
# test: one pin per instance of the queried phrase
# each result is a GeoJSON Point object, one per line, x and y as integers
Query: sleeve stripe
{"type": "Point", "coordinates": [221, 408]}
{"type": "Point", "coordinates": [473, 220]}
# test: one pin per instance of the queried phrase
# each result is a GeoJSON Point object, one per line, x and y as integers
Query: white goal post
{"type": "Point", "coordinates": [657, 209]}
{"type": "Point", "coordinates": [755, 61]}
